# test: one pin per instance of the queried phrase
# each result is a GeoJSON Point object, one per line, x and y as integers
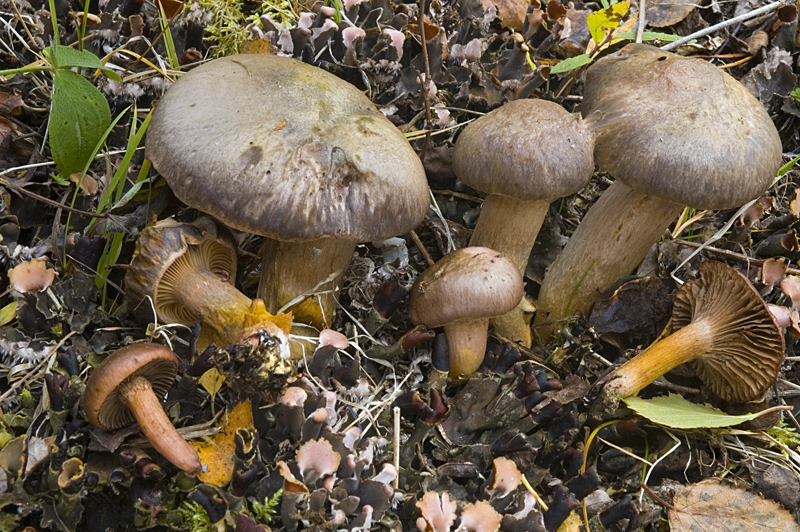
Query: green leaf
{"type": "Point", "coordinates": [602, 22]}
{"type": "Point", "coordinates": [648, 36]}
{"type": "Point", "coordinates": [65, 57]}
{"type": "Point", "coordinates": [571, 64]}
{"type": "Point", "coordinates": [78, 119]}
{"type": "Point", "coordinates": [8, 313]}
{"type": "Point", "coordinates": [676, 412]}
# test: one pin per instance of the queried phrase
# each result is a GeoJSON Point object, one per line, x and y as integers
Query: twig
{"type": "Point", "coordinates": [724, 24]}
{"type": "Point", "coordinates": [658, 499]}
{"type": "Point", "coordinates": [421, 247]}
{"type": "Point", "coordinates": [642, 22]}
{"type": "Point", "coordinates": [22, 190]}
{"type": "Point", "coordinates": [731, 254]}
{"type": "Point", "coordinates": [735, 63]}
{"type": "Point", "coordinates": [426, 81]}
{"type": "Point", "coordinates": [396, 438]}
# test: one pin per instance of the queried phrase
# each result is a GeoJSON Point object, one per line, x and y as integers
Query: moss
{"type": "Point", "coordinates": [231, 21]}
{"type": "Point", "coordinates": [265, 512]}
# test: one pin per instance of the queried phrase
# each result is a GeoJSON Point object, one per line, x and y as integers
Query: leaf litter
{"type": "Point", "coordinates": [533, 416]}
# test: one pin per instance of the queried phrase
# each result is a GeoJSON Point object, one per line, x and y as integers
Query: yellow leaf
{"type": "Point", "coordinates": [602, 22]}
{"type": "Point", "coordinates": [8, 313]}
{"type": "Point", "coordinates": [216, 453]}
{"type": "Point", "coordinates": [212, 381]}
{"type": "Point", "coordinates": [572, 523]}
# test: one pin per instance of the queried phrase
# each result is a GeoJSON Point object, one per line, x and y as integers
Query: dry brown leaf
{"type": "Point", "coordinates": [10, 104]}
{"type": "Point", "coordinates": [711, 505]}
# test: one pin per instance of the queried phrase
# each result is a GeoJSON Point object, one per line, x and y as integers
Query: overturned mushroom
{"type": "Point", "coordinates": [127, 387]}
{"type": "Point", "coordinates": [185, 273]}
{"type": "Point", "coordinates": [722, 325]}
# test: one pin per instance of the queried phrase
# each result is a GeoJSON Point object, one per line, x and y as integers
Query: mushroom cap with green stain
{"type": "Point", "coordinates": [679, 128]}
{"type": "Point", "coordinates": [526, 149]}
{"type": "Point", "coordinates": [468, 284]}
{"type": "Point", "coordinates": [165, 252]}
{"type": "Point", "coordinates": [747, 347]}
{"type": "Point", "coordinates": [101, 402]}
{"type": "Point", "coordinates": [280, 148]}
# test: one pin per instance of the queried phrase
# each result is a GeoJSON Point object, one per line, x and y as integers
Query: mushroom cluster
{"type": "Point", "coordinates": [523, 155]}
{"type": "Point", "coordinates": [673, 131]}
{"type": "Point", "coordinates": [277, 147]}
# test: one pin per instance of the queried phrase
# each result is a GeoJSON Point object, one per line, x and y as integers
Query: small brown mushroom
{"type": "Point", "coordinates": [673, 131]}
{"type": "Point", "coordinates": [185, 272]}
{"type": "Point", "coordinates": [524, 155]}
{"type": "Point", "coordinates": [721, 324]}
{"type": "Point", "coordinates": [127, 387]}
{"type": "Point", "coordinates": [460, 293]}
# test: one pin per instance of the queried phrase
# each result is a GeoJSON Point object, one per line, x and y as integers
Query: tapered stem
{"type": "Point", "coordinates": [138, 396]}
{"type": "Point", "coordinates": [685, 345]}
{"type": "Point", "coordinates": [466, 342]}
{"type": "Point", "coordinates": [291, 269]}
{"type": "Point", "coordinates": [233, 315]}
{"type": "Point", "coordinates": [609, 243]}
{"type": "Point", "coordinates": [510, 226]}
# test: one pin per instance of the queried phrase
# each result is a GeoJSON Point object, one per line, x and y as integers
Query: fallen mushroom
{"type": "Point", "coordinates": [524, 155]}
{"type": "Point", "coordinates": [722, 325]}
{"type": "Point", "coordinates": [673, 131]}
{"type": "Point", "coordinates": [127, 387]}
{"type": "Point", "coordinates": [185, 273]}
{"type": "Point", "coordinates": [460, 293]}
{"type": "Point", "coordinates": [280, 148]}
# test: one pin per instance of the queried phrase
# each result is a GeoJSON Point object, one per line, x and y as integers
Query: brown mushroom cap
{"type": "Point", "coordinates": [102, 405]}
{"type": "Point", "coordinates": [163, 252]}
{"type": "Point", "coordinates": [748, 346]}
{"type": "Point", "coordinates": [527, 149]}
{"type": "Point", "coordinates": [679, 128]}
{"type": "Point", "coordinates": [469, 283]}
{"type": "Point", "coordinates": [276, 147]}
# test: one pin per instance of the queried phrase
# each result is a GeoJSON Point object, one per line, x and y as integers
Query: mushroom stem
{"type": "Point", "coordinates": [619, 230]}
{"type": "Point", "coordinates": [466, 342]}
{"type": "Point", "coordinates": [291, 269]}
{"type": "Point", "coordinates": [217, 302]}
{"type": "Point", "coordinates": [138, 396]}
{"type": "Point", "coordinates": [510, 226]}
{"type": "Point", "coordinates": [687, 344]}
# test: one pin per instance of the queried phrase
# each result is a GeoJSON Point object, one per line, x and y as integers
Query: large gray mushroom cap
{"type": "Point", "coordinates": [527, 149]}
{"type": "Point", "coordinates": [276, 147]}
{"type": "Point", "coordinates": [679, 129]}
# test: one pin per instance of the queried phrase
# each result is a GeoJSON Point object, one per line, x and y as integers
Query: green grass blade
{"type": "Point", "coordinates": [168, 42]}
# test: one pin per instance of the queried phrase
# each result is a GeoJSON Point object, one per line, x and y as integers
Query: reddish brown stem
{"type": "Point", "coordinates": [138, 396]}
